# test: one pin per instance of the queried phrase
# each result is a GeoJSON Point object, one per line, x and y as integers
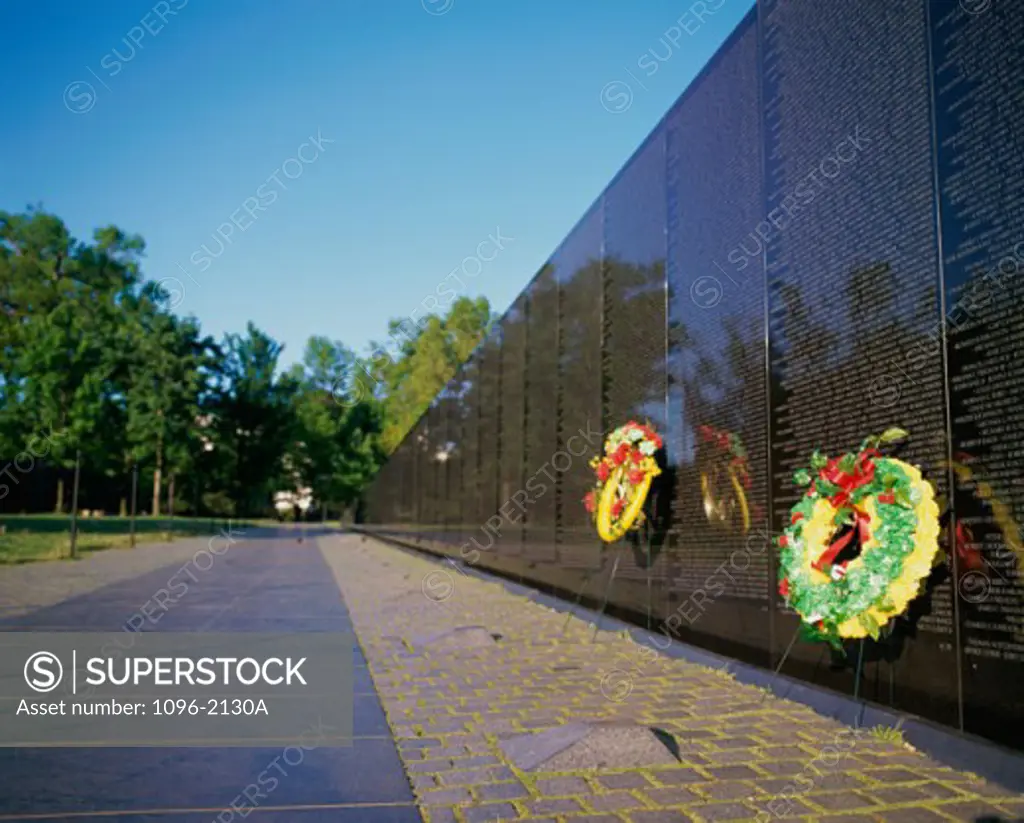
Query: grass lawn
{"type": "Point", "coordinates": [31, 538]}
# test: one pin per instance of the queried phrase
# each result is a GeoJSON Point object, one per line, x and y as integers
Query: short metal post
{"type": "Point", "coordinates": [135, 491]}
{"type": "Point", "coordinates": [74, 505]}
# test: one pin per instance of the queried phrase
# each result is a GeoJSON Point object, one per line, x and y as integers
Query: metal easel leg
{"type": "Point", "coordinates": [576, 605]}
{"type": "Point", "coordinates": [607, 592]}
{"type": "Point", "coordinates": [856, 676]}
{"type": "Point", "coordinates": [782, 662]}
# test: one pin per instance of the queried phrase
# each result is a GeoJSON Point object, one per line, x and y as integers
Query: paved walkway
{"type": "Point", "coordinates": [266, 582]}
{"type": "Point", "coordinates": [465, 671]}
{"type": "Point", "coordinates": [455, 700]}
{"type": "Point", "coordinates": [28, 587]}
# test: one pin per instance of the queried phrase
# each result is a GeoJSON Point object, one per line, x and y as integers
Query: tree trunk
{"type": "Point", "coordinates": [170, 495]}
{"type": "Point", "coordinates": [59, 509]}
{"type": "Point", "coordinates": [156, 492]}
{"type": "Point", "coordinates": [158, 476]}
{"type": "Point", "coordinates": [123, 511]}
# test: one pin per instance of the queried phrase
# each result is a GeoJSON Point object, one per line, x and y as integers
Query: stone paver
{"type": "Point", "coordinates": [742, 755]}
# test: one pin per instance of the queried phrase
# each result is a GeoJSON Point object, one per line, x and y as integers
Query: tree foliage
{"type": "Point", "coordinates": [91, 350]}
{"type": "Point", "coordinates": [426, 360]}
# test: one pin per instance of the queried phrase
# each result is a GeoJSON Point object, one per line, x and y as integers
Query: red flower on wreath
{"type": "Point", "coordinates": [784, 588]}
{"type": "Point", "coordinates": [637, 476]}
{"type": "Point", "coordinates": [590, 502]}
{"type": "Point", "coordinates": [650, 435]}
{"type": "Point", "coordinates": [602, 471]}
{"type": "Point", "coordinates": [617, 507]}
{"type": "Point", "coordinates": [621, 453]}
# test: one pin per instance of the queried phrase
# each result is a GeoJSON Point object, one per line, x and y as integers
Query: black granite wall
{"type": "Point", "coordinates": [822, 239]}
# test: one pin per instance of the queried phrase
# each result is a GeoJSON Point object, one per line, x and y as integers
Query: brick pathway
{"type": "Point", "coordinates": [450, 704]}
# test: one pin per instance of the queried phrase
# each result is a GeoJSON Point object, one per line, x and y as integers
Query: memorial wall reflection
{"type": "Point", "coordinates": [577, 269]}
{"type": "Point", "coordinates": [717, 435]}
{"type": "Point", "coordinates": [635, 347]}
{"type": "Point", "coordinates": [821, 240]}
{"type": "Point", "coordinates": [853, 281]}
{"type": "Point", "coordinates": [538, 502]}
{"type": "Point", "coordinates": [512, 437]}
{"type": "Point", "coordinates": [979, 105]}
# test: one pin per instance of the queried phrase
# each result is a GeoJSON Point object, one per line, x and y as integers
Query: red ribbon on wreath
{"type": "Point", "coordinates": [863, 473]}
{"type": "Point", "coordinates": [848, 482]}
{"type": "Point", "coordinates": [861, 523]}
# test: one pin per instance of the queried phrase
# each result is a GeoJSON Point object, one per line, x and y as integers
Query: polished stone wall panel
{"type": "Point", "coordinates": [509, 524]}
{"type": "Point", "coordinates": [433, 478]}
{"type": "Point", "coordinates": [489, 436]}
{"type": "Point", "coordinates": [578, 270]}
{"type": "Point", "coordinates": [824, 238]}
{"type": "Point", "coordinates": [717, 438]}
{"type": "Point", "coordinates": [634, 211]}
{"type": "Point", "coordinates": [979, 115]}
{"type": "Point", "coordinates": [451, 466]}
{"type": "Point", "coordinates": [853, 282]}
{"type": "Point", "coordinates": [470, 445]}
{"type": "Point", "coordinates": [542, 415]}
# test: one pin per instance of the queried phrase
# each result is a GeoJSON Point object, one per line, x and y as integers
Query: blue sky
{"type": "Point", "coordinates": [350, 153]}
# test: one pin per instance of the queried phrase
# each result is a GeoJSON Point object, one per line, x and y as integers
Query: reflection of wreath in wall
{"type": "Point", "coordinates": [725, 480]}
{"type": "Point", "coordinates": [969, 557]}
{"type": "Point", "coordinates": [859, 543]}
{"type": "Point", "coordinates": [624, 476]}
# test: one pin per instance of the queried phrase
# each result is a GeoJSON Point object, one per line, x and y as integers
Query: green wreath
{"type": "Point", "coordinates": [883, 504]}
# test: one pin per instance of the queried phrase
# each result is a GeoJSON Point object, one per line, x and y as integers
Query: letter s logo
{"type": "Point", "coordinates": [43, 672]}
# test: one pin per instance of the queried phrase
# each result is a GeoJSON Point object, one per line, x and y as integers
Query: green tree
{"type": "Point", "coordinates": [253, 421]}
{"type": "Point", "coordinates": [64, 299]}
{"type": "Point", "coordinates": [337, 447]}
{"type": "Point", "coordinates": [92, 352]}
{"type": "Point", "coordinates": [166, 356]}
{"type": "Point", "coordinates": [407, 376]}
